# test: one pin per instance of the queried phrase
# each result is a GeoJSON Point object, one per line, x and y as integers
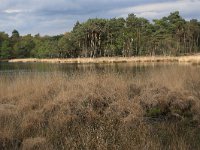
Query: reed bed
{"type": "Point", "coordinates": [101, 111]}
{"type": "Point", "coordinates": [181, 59]}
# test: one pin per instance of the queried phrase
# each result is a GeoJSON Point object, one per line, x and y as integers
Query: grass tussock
{"type": "Point", "coordinates": [101, 111]}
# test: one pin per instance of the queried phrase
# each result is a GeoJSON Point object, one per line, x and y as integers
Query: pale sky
{"type": "Point", "coordinates": [52, 17]}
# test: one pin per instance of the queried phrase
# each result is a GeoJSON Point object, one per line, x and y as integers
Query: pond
{"type": "Point", "coordinates": [120, 68]}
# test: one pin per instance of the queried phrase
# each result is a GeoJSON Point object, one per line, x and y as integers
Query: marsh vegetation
{"type": "Point", "coordinates": [156, 110]}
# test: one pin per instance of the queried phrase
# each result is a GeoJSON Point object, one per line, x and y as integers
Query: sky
{"type": "Point", "coordinates": [54, 17]}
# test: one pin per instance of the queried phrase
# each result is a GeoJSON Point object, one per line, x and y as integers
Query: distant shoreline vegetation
{"type": "Point", "coordinates": [192, 59]}
{"type": "Point", "coordinates": [116, 37]}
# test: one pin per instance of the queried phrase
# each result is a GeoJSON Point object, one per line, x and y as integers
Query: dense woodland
{"type": "Point", "coordinates": [131, 36]}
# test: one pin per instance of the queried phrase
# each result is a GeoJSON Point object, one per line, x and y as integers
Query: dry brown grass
{"type": "Point", "coordinates": [194, 59]}
{"type": "Point", "coordinates": [101, 111]}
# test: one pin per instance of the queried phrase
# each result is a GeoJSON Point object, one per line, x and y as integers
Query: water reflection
{"type": "Point", "coordinates": [121, 68]}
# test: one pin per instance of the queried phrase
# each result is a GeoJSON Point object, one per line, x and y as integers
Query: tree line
{"type": "Point", "coordinates": [131, 36]}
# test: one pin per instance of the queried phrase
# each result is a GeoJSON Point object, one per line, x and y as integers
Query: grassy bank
{"type": "Point", "coordinates": [101, 111]}
{"type": "Point", "coordinates": [187, 59]}
{"type": "Point", "coordinates": [4, 60]}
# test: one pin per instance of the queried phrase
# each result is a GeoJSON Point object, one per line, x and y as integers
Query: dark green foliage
{"type": "Point", "coordinates": [132, 36]}
{"type": "Point", "coordinates": [24, 47]}
{"type": "Point", "coordinates": [5, 50]}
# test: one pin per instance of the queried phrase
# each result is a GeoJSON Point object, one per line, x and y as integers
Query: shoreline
{"type": "Point", "coordinates": [194, 59]}
{"type": "Point", "coordinates": [4, 60]}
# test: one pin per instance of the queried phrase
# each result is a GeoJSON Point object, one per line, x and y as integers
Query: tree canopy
{"type": "Point", "coordinates": [131, 36]}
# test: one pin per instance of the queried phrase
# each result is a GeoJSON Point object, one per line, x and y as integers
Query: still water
{"type": "Point", "coordinates": [121, 68]}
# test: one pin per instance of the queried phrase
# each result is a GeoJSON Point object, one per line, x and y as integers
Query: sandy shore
{"type": "Point", "coordinates": [195, 59]}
